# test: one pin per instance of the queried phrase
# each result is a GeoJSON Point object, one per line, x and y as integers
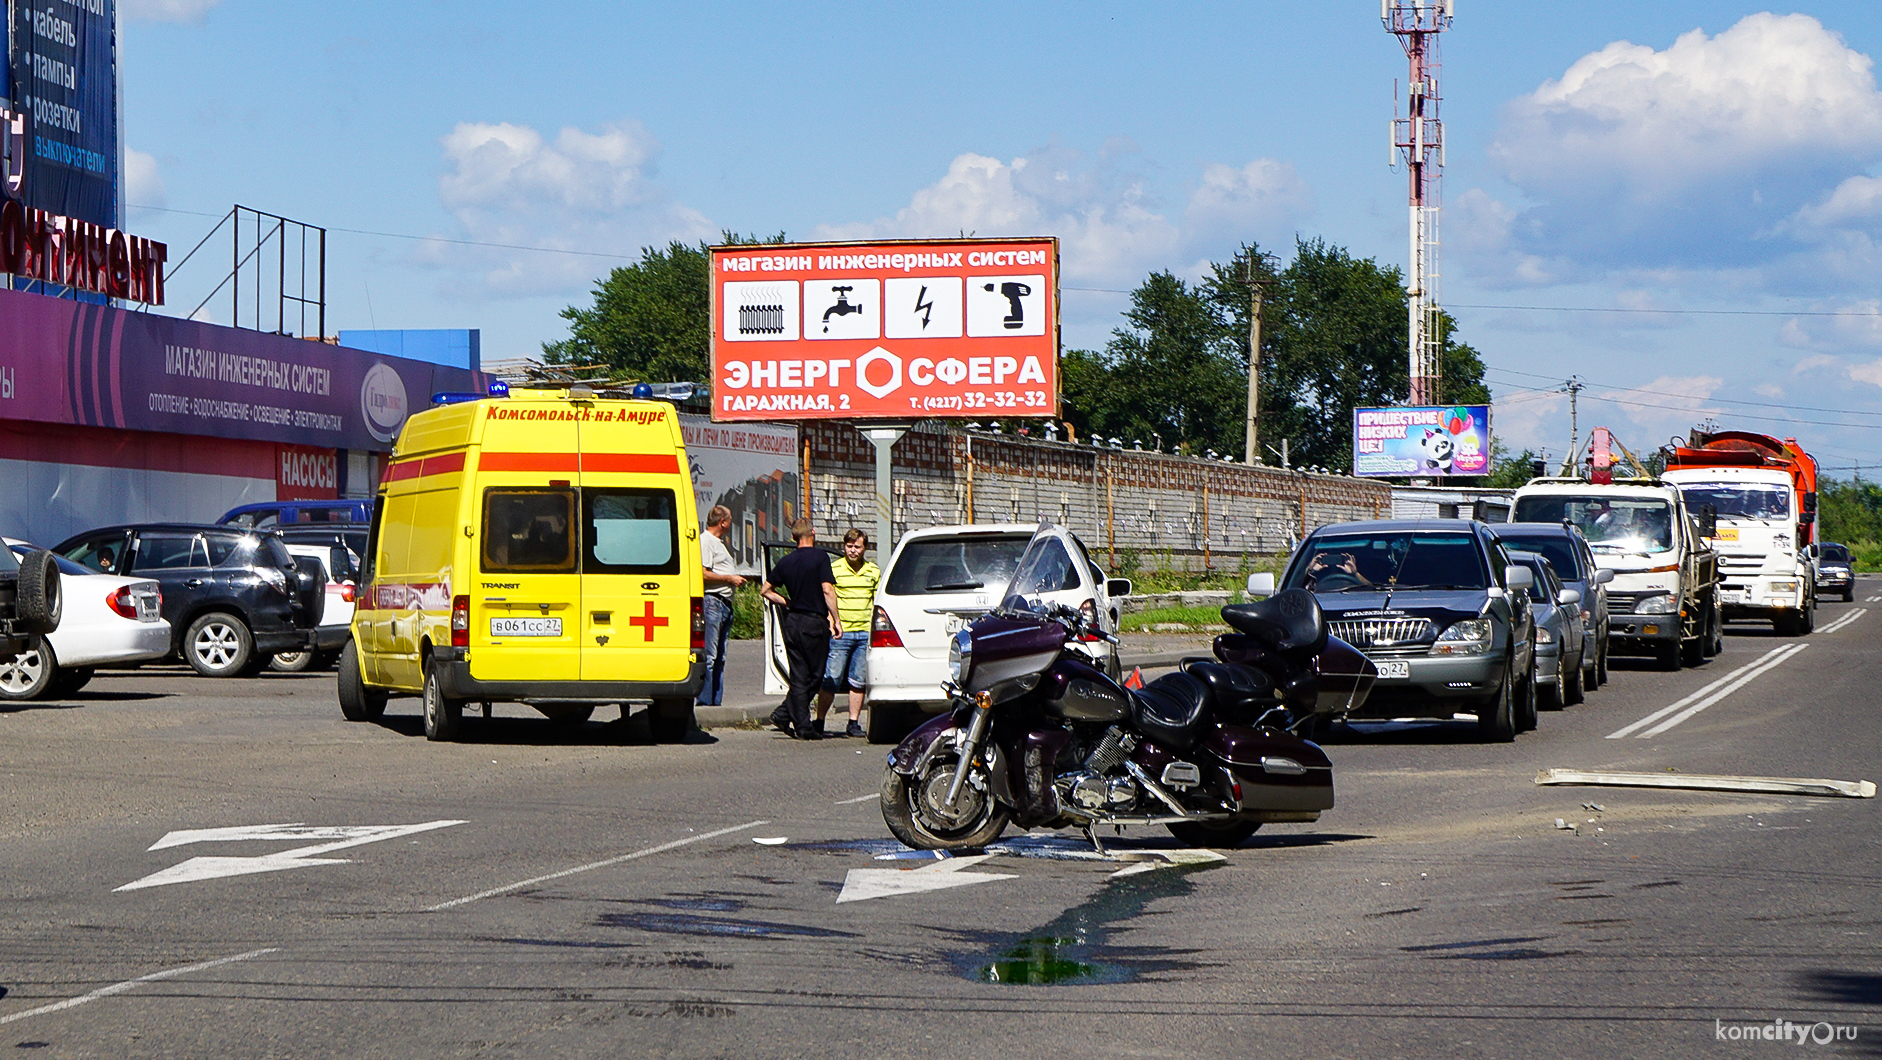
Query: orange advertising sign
{"type": "Point", "coordinates": [896, 330]}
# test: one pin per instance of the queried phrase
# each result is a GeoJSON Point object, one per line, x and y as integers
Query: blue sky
{"type": "Point", "coordinates": [1720, 159]}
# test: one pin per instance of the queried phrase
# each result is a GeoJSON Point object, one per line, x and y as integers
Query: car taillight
{"type": "Point", "coordinates": [348, 591]}
{"type": "Point", "coordinates": [882, 632]}
{"type": "Point", "coordinates": [699, 622]}
{"type": "Point", "coordinates": [122, 602]}
{"type": "Point", "coordinates": [460, 622]}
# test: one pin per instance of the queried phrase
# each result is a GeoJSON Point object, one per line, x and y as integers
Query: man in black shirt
{"type": "Point", "coordinates": [810, 620]}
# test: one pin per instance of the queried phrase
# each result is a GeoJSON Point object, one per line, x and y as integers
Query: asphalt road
{"type": "Point", "coordinates": [538, 891]}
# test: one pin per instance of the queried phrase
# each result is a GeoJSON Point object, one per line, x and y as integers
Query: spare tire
{"type": "Point", "coordinates": [39, 602]}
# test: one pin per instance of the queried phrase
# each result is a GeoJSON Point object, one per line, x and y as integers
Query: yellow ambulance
{"type": "Point", "coordinates": [540, 547]}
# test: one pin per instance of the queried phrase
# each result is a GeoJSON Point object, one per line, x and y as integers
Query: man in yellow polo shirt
{"type": "Point", "coordinates": [856, 581]}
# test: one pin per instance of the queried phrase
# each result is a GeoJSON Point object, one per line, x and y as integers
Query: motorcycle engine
{"type": "Point", "coordinates": [1095, 794]}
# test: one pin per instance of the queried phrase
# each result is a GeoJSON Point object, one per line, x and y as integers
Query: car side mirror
{"type": "Point", "coordinates": [1116, 587]}
{"type": "Point", "coordinates": [1261, 584]}
{"type": "Point", "coordinates": [1810, 503]}
{"type": "Point", "coordinates": [1603, 575]}
{"type": "Point", "coordinates": [1518, 578]}
{"type": "Point", "coordinates": [1708, 521]}
{"type": "Point", "coordinates": [1568, 596]}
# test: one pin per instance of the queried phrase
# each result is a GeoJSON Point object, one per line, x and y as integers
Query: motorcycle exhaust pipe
{"type": "Point", "coordinates": [976, 732]}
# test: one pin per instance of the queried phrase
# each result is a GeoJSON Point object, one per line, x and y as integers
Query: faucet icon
{"type": "Point", "coordinates": [1013, 292]}
{"type": "Point", "coordinates": [843, 307]}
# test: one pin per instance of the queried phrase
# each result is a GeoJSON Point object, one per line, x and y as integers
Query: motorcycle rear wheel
{"type": "Point", "coordinates": [912, 806]}
{"type": "Point", "coordinates": [1213, 833]}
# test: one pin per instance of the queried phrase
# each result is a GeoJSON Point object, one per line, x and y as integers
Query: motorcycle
{"type": "Point", "coordinates": [1040, 738]}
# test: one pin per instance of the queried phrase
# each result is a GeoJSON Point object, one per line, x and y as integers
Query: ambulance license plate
{"type": "Point", "coordinates": [525, 627]}
{"type": "Point", "coordinates": [1394, 669]}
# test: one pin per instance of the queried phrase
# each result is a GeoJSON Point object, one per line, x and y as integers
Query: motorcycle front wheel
{"type": "Point", "coordinates": [915, 808]}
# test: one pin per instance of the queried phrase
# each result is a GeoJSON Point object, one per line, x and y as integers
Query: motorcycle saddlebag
{"type": "Point", "coordinates": [1277, 772]}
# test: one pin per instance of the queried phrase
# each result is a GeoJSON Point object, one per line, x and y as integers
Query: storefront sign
{"type": "Point", "coordinates": [962, 328]}
{"type": "Point", "coordinates": [36, 245]}
{"type": "Point", "coordinates": [305, 474]}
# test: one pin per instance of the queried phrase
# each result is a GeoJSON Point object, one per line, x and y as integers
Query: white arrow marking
{"type": "Point", "coordinates": [210, 868]}
{"type": "Point", "coordinates": [863, 884]}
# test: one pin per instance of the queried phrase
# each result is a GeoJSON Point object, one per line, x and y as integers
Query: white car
{"type": "Point", "coordinates": [108, 620]}
{"type": "Point", "coordinates": [944, 577]}
{"type": "Point", "coordinates": [340, 562]}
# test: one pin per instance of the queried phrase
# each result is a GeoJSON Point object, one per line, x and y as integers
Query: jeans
{"type": "Point", "coordinates": [849, 660]}
{"type": "Point", "coordinates": [718, 628]}
{"type": "Point", "coordinates": [807, 646]}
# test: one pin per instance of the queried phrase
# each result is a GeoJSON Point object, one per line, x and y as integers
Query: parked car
{"type": "Point", "coordinates": [1835, 572]}
{"type": "Point", "coordinates": [357, 511]}
{"type": "Point", "coordinates": [30, 600]}
{"type": "Point", "coordinates": [338, 552]}
{"type": "Point", "coordinates": [233, 597]}
{"type": "Point", "coordinates": [1569, 553]}
{"type": "Point", "coordinates": [1438, 606]}
{"type": "Point", "coordinates": [1561, 640]}
{"type": "Point", "coordinates": [939, 579]}
{"type": "Point", "coordinates": [107, 620]}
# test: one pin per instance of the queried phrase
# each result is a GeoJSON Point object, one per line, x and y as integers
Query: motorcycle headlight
{"type": "Point", "coordinates": [1469, 637]}
{"type": "Point", "coordinates": [960, 657]}
{"type": "Point", "coordinates": [1658, 604]}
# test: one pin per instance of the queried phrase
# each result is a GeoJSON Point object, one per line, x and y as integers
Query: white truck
{"type": "Point", "coordinates": [1664, 600]}
{"type": "Point", "coordinates": [1763, 493]}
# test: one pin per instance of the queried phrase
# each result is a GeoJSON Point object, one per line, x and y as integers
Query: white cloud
{"type": "Point", "coordinates": [1867, 373]}
{"type": "Point", "coordinates": [1685, 158]}
{"type": "Point", "coordinates": [165, 10]}
{"type": "Point", "coordinates": [1110, 228]}
{"type": "Point", "coordinates": [1840, 325]}
{"type": "Point", "coordinates": [143, 185]}
{"type": "Point", "coordinates": [582, 191]}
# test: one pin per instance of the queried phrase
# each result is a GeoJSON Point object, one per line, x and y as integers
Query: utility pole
{"type": "Point", "coordinates": [1574, 386]}
{"type": "Point", "coordinates": [1251, 275]}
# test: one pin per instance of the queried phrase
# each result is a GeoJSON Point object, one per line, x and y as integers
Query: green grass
{"type": "Point", "coordinates": [1867, 555]}
{"type": "Point", "coordinates": [1192, 617]}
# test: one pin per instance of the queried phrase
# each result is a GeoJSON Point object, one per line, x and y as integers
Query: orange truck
{"type": "Point", "coordinates": [1764, 493]}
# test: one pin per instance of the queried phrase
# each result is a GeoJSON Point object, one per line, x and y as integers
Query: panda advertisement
{"type": "Point", "coordinates": [1421, 441]}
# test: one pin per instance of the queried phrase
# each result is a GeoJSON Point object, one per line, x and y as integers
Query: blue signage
{"type": "Point", "coordinates": [62, 78]}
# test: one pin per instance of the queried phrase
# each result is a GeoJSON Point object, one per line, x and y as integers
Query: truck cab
{"type": "Point", "coordinates": [1663, 601]}
{"type": "Point", "coordinates": [1766, 567]}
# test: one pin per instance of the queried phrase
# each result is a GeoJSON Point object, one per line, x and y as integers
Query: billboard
{"type": "Point", "coordinates": [1421, 441]}
{"type": "Point", "coordinates": [62, 67]}
{"type": "Point", "coordinates": [899, 330]}
{"type": "Point", "coordinates": [752, 469]}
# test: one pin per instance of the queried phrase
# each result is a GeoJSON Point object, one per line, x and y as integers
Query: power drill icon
{"type": "Point", "coordinates": [843, 307]}
{"type": "Point", "coordinates": [1013, 292]}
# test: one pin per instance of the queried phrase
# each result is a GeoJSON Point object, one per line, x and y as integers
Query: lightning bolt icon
{"type": "Point", "coordinates": [925, 306]}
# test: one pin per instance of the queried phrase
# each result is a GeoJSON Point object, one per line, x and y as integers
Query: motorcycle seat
{"type": "Point", "coordinates": [1289, 621]}
{"type": "Point", "coordinates": [1173, 711]}
{"type": "Point", "coordinates": [1234, 690]}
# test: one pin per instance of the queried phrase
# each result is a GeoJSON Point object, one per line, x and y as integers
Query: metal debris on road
{"type": "Point", "coordinates": [1852, 789]}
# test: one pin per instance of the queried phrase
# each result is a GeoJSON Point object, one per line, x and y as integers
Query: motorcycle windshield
{"type": "Point", "coordinates": [1045, 567]}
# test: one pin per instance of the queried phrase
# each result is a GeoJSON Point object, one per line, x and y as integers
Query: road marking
{"type": "Point", "coordinates": [1708, 695]}
{"type": "Point", "coordinates": [662, 848]}
{"type": "Point", "coordinates": [1873, 599]}
{"type": "Point", "coordinates": [863, 884]}
{"type": "Point", "coordinates": [857, 799]}
{"type": "Point", "coordinates": [119, 988]}
{"type": "Point", "coordinates": [209, 868]}
{"type": "Point", "coordinates": [1845, 620]}
{"type": "Point", "coordinates": [1152, 860]}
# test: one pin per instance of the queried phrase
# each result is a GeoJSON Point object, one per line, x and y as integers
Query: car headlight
{"type": "Point", "coordinates": [1544, 636]}
{"type": "Point", "coordinates": [1783, 587]}
{"type": "Point", "coordinates": [1469, 637]}
{"type": "Point", "coordinates": [960, 657]}
{"type": "Point", "coordinates": [1658, 604]}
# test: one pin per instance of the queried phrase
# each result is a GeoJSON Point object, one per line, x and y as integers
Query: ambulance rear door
{"type": "Point", "coordinates": [525, 590]}
{"type": "Point", "coordinates": [640, 564]}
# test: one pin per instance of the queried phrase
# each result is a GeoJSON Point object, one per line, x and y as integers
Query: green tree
{"type": "Point", "coordinates": [1850, 511]}
{"type": "Point", "coordinates": [650, 320]}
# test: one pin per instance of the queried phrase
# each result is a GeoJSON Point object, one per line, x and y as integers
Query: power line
{"type": "Point", "coordinates": [1676, 312]}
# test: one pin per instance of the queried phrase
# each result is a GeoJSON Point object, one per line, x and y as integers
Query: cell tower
{"type": "Point", "coordinates": [1418, 137]}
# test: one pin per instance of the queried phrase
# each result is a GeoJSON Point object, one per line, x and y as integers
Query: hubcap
{"type": "Point", "coordinates": [216, 646]}
{"type": "Point", "coordinates": [19, 676]}
{"type": "Point", "coordinates": [932, 798]}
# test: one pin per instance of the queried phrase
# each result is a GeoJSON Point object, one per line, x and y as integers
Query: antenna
{"type": "Point", "coordinates": [1418, 137]}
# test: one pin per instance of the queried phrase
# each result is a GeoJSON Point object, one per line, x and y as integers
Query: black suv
{"type": "Point", "coordinates": [1573, 559]}
{"type": "Point", "coordinates": [29, 600]}
{"type": "Point", "coordinates": [1439, 607]}
{"type": "Point", "coordinates": [233, 597]}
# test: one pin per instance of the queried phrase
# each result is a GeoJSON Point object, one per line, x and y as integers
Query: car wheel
{"type": "Point", "coordinates": [1549, 697]}
{"type": "Point", "coordinates": [887, 724]}
{"type": "Point", "coordinates": [218, 645]}
{"type": "Point", "coordinates": [68, 682]}
{"type": "Point", "coordinates": [1667, 655]}
{"type": "Point", "coordinates": [1715, 640]}
{"type": "Point", "coordinates": [37, 599]}
{"type": "Point", "coordinates": [1693, 652]}
{"type": "Point", "coordinates": [357, 702]}
{"type": "Point", "coordinates": [291, 662]}
{"type": "Point", "coordinates": [671, 719]}
{"type": "Point", "coordinates": [1525, 707]}
{"type": "Point", "coordinates": [443, 717]}
{"type": "Point", "coordinates": [1570, 683]}
{"type": "Point", "coordinates": [1849, 595]}
{"type": "Point", "coordinates": [1601, 665]}
{"type": "Point", "coordinates": [30, 674]}
{"type": "Point", "coordinates": [1496, 720]}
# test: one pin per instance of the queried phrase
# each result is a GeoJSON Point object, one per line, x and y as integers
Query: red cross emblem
{"type": "Point", "coordinates": [648, 621]}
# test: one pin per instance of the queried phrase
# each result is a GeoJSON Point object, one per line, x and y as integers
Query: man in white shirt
{"type": "Point", "coordinates": [721, 579]}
